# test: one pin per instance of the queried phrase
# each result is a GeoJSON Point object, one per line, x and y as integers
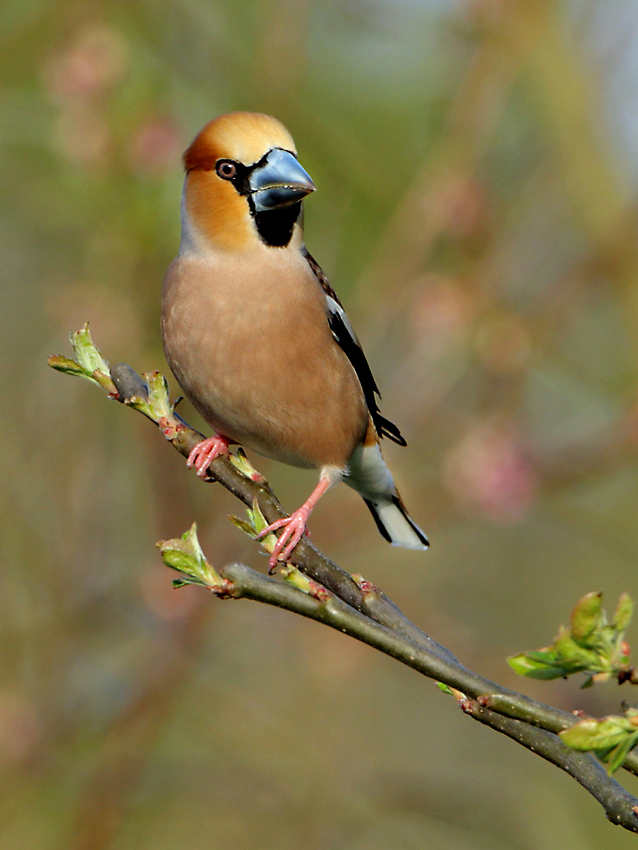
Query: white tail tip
{"type": "Point", "coordinates": [395, 525]}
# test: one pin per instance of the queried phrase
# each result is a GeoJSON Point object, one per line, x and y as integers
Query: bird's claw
{"type": "Point", "coordinates": [205, 453]}
{"type": "Point", "coordinates": [294, 527]}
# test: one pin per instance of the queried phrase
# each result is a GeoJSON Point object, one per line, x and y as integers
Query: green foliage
{"type": "Point", "coordinates": [254, 526]}
{"type": "Point", "coordinates": [152, 398]}
{"type": "Point", "coordinates": [88, 362]}
{"type": "Point", "coordinates": [611, 738]}
{"type": "Point", "coordinates": [156, 403]}
{"type": "Point", "coordinates": [592, 645]}
{"type": "Point", "coordinates": [185, 555]}
{"type": "Point", "coordinates": [243, 465]}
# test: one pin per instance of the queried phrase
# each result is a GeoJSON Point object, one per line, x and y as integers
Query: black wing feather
{"type": "Point", "coordinates": [347, 339]}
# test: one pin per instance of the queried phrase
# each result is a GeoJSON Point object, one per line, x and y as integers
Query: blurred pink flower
{"type": "Point", "coordinates": [77, 80]}
{"type": "Point", "coordinates": [94, 61]}
{"type": "Point", "coordinates": [82, 136]}
{"type": "Point", "coordinates": [20, 727]}
{"type": "Point", "coordinates": [440, 313]}
{"type": "Point", "coordinates": [467, 206]}
{"type": "Point", "coordinates": [489, 473]}
{"type": "Point", "coordinates": [503, 343]}
{"type": "Point", "coordinates": [157, 147]}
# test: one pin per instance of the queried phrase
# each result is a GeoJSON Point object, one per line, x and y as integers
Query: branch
{"type": "Point", "coordinates": [621, 808]}
{"type": "Point", "coordinates": [333, 597]}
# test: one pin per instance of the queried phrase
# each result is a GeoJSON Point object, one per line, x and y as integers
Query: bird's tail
{"type": "Point", "coordinates": [395, 525]}
{"type": "Point", "coordinates": [370, 477]}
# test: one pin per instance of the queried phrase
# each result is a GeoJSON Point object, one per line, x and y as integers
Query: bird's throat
{"type": "Point", "coordinates": [275, 226]}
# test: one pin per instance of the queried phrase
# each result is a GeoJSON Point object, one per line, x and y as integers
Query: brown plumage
{"type": "Point", "coordinates": [226, 328]}
{"type": "Point", "coordinates": [258, 344]}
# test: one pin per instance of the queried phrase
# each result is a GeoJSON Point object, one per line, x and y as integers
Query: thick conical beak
{"type": "Point", "coordinates": [279, 182]}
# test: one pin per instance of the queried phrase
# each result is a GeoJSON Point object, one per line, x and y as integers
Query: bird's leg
{"type": "Point", "coordinates": [205, 452]}
{"type": "Point", "coordinates": [293, 526]}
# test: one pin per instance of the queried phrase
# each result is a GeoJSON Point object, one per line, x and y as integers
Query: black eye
{"type": "Point", "coordinates": [226, 169]}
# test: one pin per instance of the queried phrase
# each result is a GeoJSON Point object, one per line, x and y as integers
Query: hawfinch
{"type": "Point", "coordinates": [256, 336]}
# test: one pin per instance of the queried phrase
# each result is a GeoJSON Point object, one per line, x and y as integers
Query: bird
{"type": "Point", "coordinates": [256, 336]}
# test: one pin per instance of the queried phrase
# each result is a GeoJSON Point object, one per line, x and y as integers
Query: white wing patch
{"type": "Point", "coordinates": [335, 309]}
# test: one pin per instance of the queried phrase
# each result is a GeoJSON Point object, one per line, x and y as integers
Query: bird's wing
{"type": "Point", "coordinates": [345, 336]}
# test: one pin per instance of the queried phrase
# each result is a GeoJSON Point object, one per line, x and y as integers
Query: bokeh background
{"type": "Point", "coordinates": [477, 172]}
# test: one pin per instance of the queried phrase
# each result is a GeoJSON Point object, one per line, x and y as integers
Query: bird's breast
{"type": "Point", "coordinates": [248, 340]}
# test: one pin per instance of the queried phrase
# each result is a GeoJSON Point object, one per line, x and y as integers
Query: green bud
{"type": "Point", "coordinates": [156, 405]}
{"type": "Point", "coordinates": [297, 579]}
{"type": "Point", "coordinates": [256, 524]}
{"type": "Point", "coordinates": [185, 555]}
{"type": "Point", "coordinates": [538, 665]}
{"type": "Point", "coordinates": [623, 612]}
{"type": "Point", "coordinates": [86, 353]}
{"type": "Point", "coordinates": [592, 646]}
{"type": "Point", "coordinates": [575, 657]}
{"type": "Point", "coordinates": [245, 467]}
{"type": "Point", "coordinates": [88, 362]}
{"type": "Point", "coordinates": [587, 619]}
{"type": "Point", "coordinates": [64, 364]}
{"type": "Point", "coordinates": [611, 738]}
{"type": "Point", "coordinates": [592, 734]}
{"type": "Point", "coordinates": [620, 752]}
{"type": "Point", "coordinates": [158, 395]}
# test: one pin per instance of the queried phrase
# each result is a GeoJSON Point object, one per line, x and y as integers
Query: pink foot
{"type": "Point", "coordinates": [293, 526]}
{"type": "Point", "coordinates": [205, 452]}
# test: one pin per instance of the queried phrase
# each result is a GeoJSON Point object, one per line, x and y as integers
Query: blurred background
{"type": "Point", "coordinates": [477, 171]}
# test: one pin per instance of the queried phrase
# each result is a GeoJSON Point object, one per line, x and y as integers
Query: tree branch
{"type": "Point", "coordinates": [356, 607]}
{"type": "Point", "coordinates": [620, 807]}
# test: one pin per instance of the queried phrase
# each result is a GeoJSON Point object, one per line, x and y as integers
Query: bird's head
{"type": "Point", "coordinates": [244, 185]}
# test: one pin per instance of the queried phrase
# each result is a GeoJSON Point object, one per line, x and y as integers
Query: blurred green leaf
{"type": "Point", "coordinates": [611, 738]}
{"type": "Point", "coordinates": [537, 665]}
{"type": "Point", "coordinates": [623, 613]}
{"type": "Point", "coordinates": [620, 752]}
{"type": "Point", "coordinates": [592, 734]}
{"type": "Point", "coordinates": [587, 619]}
{"type": "Point", "coordinates": [592, 645]}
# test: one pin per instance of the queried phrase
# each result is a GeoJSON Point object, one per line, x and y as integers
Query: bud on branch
{"type": "Point", "coordinates": [592, 645]}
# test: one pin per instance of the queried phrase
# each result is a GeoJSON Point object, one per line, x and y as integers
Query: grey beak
{"type": "Point", "coordinates": [279, 182]}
